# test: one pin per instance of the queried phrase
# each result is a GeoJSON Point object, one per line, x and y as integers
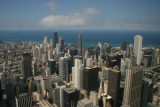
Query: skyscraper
{"type": "Point", "coordinates": [80, 44]}
{"type": "Point", "coordinates": [61, 42]}
{"type": "Point", "coordinates": [133, 86]}
{"type": "Point", "coordinates": [24, 100]}
{"type": "Point", "coordinates": [55, 39]}
{"type": "Point", "coordinates": [137, 48]}
{"type": "Point", "coordinates": [26, 65]}
{"type": "Point", "coordinates": [52, 66]}
{"type": "Point", "coordinates": [90, 79]}
{"type": "Point", "coordinates": [63, 68]}
{"type": "Point", "coordinates": [78, 83]}
{"type": "Point", "coordinates": [114, 85]}
{"type": "Point", "coordinates": [70, 97]}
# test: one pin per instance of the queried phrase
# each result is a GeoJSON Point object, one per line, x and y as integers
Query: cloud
{"type": "Point", "coordinates": [74, 19]}
{"type": "Point", "coordinates": [52, 4]}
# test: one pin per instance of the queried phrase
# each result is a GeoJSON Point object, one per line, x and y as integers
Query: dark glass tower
{"type": "Point", "coordinates": [114, 85]}
{"type": "Point", "coordinates": [26, 65]}
{"type": "Point", "coordinates": [55, 39]}
{"type": "Point", "coordinates": [90, 79]}
{"type": "Point", "coordinates": [80, 44]}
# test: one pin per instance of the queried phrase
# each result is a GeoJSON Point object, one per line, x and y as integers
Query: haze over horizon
{"type": "Point", "coordinates": [83, 14]}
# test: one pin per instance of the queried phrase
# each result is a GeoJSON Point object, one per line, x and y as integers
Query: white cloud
{"type": "Point", "coordinates": [74, 19]}
{"type": "Point", "coordinates": [51, 4]}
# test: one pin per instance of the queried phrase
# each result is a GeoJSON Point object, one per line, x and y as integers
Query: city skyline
{"type": "Point", "coordinates": [85, 14]}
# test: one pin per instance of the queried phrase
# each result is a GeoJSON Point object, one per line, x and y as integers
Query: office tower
{"type": "Point", "coordinates": [85, 103]}
{"type": "Point", "coordinates": [147, 61]}
{"type": "Point", "coordinates": [130, 51]}
{"type": "Point", "coordinates": [80, 44]}
{"type": "Point", "coordinates": [58, 96]}
{"type": "Point", "coordinates": [156, 57]}
{"type": "Point", "coordinates": [90, 79]}
{"type": "Point", "coordinates": [105, 73]}
{"type": "Point", "coordinates": [61, 42]}
{"type": "Point", "coordinates": [44, 103]}
{"type": "Point", "coordinates": [63, 68]}
{"type": "Point", "coordinates": [55, 39]}
{"type": "Point", "coordinates": [45, 41]}
{"type": "Point", "coordinates": [89, 62]}
{"type": "Point", "coordinates": [50, 54]}
{"type": "Point", "coordinates": [123, 68]}
{"type": "Point", "coordinates": [94, 98]}
{"type": "Point", "coordinates": [123, 46]}
{"type": "Point", "coordinates": [78, 83]}
{"type": "Point", "coordinates": [70, 97]}
{"type": "Point", "coordinates": [51, 43]}
{"type": "Point", "coordinates": [114, 85]}
{"type": "Point", "coordinates": [9, 89]}
{"type": "Point", "coordinates": [20, 88]}
{"type": "Point", "coordinates": [24, 100]}
{"type": "Point", "coordinates": [100, 91]}
{"type": "Point", "coordinates": [137, 48]}
{"type": "Point", "coordinates": [26, 65]}
{"type": "Point", "coordinates": [133, 86]}
{"type": "Point", "coordinates": [147, 92]}
{"type": "Point", "coordinates": [76, 57]}
{"type": "Point", "coordinates": [44, 58]}
{"type": "Point", "coordinates": [58, 48]}
{"type": "Point", "coordinates": [30, 86]}
{"type": "Point", "coordinates": [52, 66]}
{"type": "Point", "coordinates": [34, 68]}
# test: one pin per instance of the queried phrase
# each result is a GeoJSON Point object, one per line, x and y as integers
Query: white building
{"type": "Point", "coordinates": [24, 100]}
{"type": "Point", "coordinates": [137, 48]}
{"type": "Point", "coordinates": [78, 74]}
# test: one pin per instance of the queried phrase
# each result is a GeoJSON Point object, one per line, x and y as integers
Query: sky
{"type": "Point", "coordinates": [80, 14]}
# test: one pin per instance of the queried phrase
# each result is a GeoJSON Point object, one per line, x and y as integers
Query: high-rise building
{"type": "Point", "coordinates": [137, 48]}
{"type": "Point", "coordinates": [55, 39]}
{"type": "Point", "coordinates": [80, 44]}
{"type": "Point", "coordinates": [61, 42]}
{"type": "Point", "coordinates": [123, 68]}
{"type": "Point", "coordinates": [147, 92]}
{"type": "Point", "coordinates": [133, 86]}
{"type": "Point", "coordinates": [63, 68]}
{"type": "Point", "coordinates": [34, 68]}
{"type": "Point", "coordinates": [123, 46]}
{"type": "Point", "coordinates": [94, 98]}
{"type": "Point", "coordinates": [44, 103]}
{"type": "Point", "coordinates": [52, 66]}
{"type": "Point", "coordinates": [24, 100]}
{"type": "Point", "coordinates": [105, 73]}
{"type": "Point", "coordinates": [130, 51]}
{"type": "Point", "coordinates": [114, 85]}
{"type": "Point", "coordinates": [85, 103]}
{"type": "Point", "coordinates": [51, 43]}
{"type": "Point", "coordinates": [90, 79]}
{"type": "Point", "coordinates": [45, 41]}
{"type": "Point", "coordinates": [70, 97]}
{"type": "Point", "coordinates": [78, 83]}
{"type": "Point", "coordinates": [26, 65]}
{"type": "Point", "coordinates": [156, 57]}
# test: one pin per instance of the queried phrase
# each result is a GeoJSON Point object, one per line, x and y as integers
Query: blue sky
{"type": "Point", "coordinates": [80, 14]}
